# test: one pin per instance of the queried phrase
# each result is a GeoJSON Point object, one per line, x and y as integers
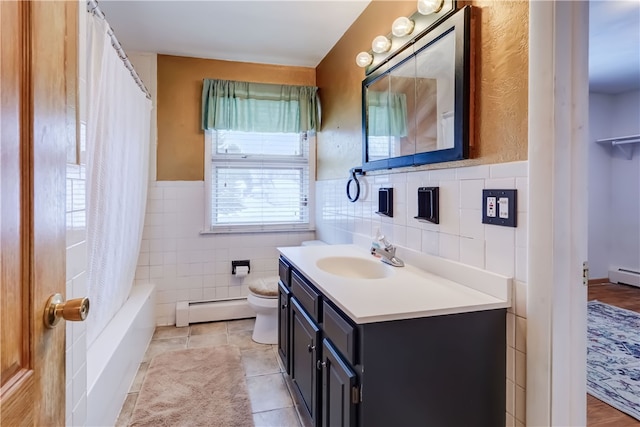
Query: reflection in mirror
{"type": "Point", "coordinates": [436, 86]}
{"type": "Point", "coordinates": [402, 84]}
{"type": "Point", "coordinates": [383, 142]}
{"type": "Point", "coordinates": [416, 106]}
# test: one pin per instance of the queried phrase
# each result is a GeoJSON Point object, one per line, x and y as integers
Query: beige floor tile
{"type": "Point", "coordinates": [127, 410]}
{"type": "Point", "coordinates": [243, 340]}
{"type": "Point", "coordinates": [211, 328]}
{"type": "Point", "coordinates": [197, 341]}
{"type": "Point", "coordinates": [280, 362]}
{"type": "Point", "coordinates": [260, 362]}
{"type": "Point", "coordinates": [289, 384]}
{"type": "Point", "coordinates": [301, 410]}
{"type": "Point", "coordinates": [241, 325]}
{"type": "Point", "coordinates": [161, 346]}
{"type": "Point", "coordinates": [268, 392]}
{"type": "Point", "coordinates": [163, 332]}
{"type": "Point", "coordinates": [285, 417]}
{"type": "Point", "coordinates": [139, 378]}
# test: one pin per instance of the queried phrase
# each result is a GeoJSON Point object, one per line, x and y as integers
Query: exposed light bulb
{"type": "Point", "coordinates": [364, 59]}
{"type": "Point", "coordinates": [381, 44]}
{"type": "Point", "coordinates": [427, 7]}
{"type": "Point", "coordinates": [402, 26]}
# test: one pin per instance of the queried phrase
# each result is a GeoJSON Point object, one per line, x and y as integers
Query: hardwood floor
{"type": "Point", "coordinates": [623, 296]}
{"type": "Point", "coordinates": [599, 413]}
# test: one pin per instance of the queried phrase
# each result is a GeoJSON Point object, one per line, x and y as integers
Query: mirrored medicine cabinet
{"type": "Point", "coordinates": [416, 106]}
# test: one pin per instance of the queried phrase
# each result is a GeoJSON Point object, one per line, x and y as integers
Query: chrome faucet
{"type": "Point", "coordinates": [388, 252]}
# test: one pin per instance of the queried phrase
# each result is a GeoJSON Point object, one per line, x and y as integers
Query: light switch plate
{"type": "Point", "coordinates": [499, 207]}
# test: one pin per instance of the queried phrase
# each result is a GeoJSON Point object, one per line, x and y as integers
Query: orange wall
{"type": "Point", "coordinates": [501, 86]}
{"type": "Point", "coordinates": [180, 139]}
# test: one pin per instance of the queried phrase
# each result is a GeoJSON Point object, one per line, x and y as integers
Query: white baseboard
{"type": "Point", "coordinates": [212, 311]}
{"type": "Point", "coordinates": [626, 276]}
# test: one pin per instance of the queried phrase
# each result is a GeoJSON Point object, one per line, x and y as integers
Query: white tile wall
{"type": "Point", "coordinates": [76, 225]}
{"type": "Point", "coordinates": [76, 287]}
{"type": "Point", "coordinates": [186, 265]}
{"type": "Point", "coordinates": [460, 236]}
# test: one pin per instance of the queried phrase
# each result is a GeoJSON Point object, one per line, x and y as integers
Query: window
{"type": "Point", "coordinates": [258, 181]}
{"type": "Point", "coordinates": [259, 156]}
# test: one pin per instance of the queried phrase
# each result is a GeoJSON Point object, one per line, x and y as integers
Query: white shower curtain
{"type": "Point", "coordinates": [119, 117]}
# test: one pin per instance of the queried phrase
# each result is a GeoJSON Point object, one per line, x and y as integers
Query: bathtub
{"type": "Point", "coordinates": [114, 357]}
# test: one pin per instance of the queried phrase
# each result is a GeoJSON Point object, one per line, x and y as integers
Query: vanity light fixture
{"type": "Point", "coordinates": [429, 13]}
{"type": "Point", "coordinates": [427, 7]}
{"type": "Point", "coordinates": [381, 44]}
{"type": "Point", "coordinates": [364, 59]}
{"type": "Point", "coordinates": [402, 26]}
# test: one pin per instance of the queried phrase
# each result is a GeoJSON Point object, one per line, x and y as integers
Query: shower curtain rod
{"type": "Point", "coordinates": [93, 7]}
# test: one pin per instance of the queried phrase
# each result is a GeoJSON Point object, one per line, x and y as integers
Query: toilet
{"type": "Point", "coordinates": [263, 299]}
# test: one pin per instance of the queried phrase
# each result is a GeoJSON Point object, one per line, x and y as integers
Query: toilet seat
{"type": "Point", "coordinates": [265, 287]}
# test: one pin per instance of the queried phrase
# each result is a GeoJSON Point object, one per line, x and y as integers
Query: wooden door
{"type": "Point", "coordinates": [37, 121]}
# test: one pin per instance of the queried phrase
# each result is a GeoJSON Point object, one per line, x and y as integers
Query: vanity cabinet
{"type": "Point", "coordinates": [284, 295]}
{"type": "Point", "coordinates": [446, 370]}
{"type": "Point", "coordinates": [340, 395]}
{"type": "Point", "coordinates": [305, 350]}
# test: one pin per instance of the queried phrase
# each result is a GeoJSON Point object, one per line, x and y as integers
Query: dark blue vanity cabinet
{"type": "Point", "coordinates": [305, 351]}
{"type": "Point", "coordinates": [284, 298]}
{"type": "Point", "coordinates": [340, 394]}
{"type": "Point", "coordinates": [446, 370]}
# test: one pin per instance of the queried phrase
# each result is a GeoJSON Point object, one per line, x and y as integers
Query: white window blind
{"type": "Point", "coordinates": [258, 181]}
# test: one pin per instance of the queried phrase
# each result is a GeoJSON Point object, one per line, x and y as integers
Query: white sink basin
{"type": "Point", "coordinates": [354, 268]}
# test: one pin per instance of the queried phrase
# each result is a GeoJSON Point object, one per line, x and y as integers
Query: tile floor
{"type": "Point", "coordinates": [272, 401]}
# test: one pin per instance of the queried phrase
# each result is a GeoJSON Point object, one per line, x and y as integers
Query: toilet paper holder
{"type": "Point", "coordinates": [240, 263]}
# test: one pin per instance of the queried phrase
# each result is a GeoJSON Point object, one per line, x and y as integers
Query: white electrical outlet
{"type": "Point", "coordinates": [491, 207]}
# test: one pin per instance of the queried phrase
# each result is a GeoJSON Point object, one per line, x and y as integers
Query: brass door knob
{"type": "Point", "coordinates": [75, 310]}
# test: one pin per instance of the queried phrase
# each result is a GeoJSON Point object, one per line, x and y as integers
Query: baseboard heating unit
{"type": "Point", "coordinates": [625, 276]}
{"type": "Point", "coordinates": [212, 311]}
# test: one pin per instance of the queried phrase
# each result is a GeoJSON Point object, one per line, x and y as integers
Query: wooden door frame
{"type": "Point", "coordinates": [557, 232]}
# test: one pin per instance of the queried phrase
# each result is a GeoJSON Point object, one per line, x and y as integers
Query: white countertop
{"type": "Point", "coordinates": [438, 287]}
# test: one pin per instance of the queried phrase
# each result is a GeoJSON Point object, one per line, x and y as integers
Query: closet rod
{"type": "Point", "coordinates": [624, 144]}
{"type": "Point", "coordinates": [624, 141]}
{"type": "Point", "coordinates": [94, 8]}
{"type": "Point", "coordinates": [621, 139]}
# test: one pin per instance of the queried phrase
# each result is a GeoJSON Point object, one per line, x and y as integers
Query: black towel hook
{"type": "Point", "coordinates": [354, 172]}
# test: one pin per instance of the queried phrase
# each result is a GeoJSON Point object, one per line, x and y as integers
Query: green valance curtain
{"type": "Point", "coordinates": [387, 114]}
{"type": "Point", "coordinates": [258, 107]}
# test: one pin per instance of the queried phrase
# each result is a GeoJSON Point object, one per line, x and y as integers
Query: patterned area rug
{"type": "Point", "coordinates": [613, 357]}
{"type": "Point", "coordinates": [194, 387]}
